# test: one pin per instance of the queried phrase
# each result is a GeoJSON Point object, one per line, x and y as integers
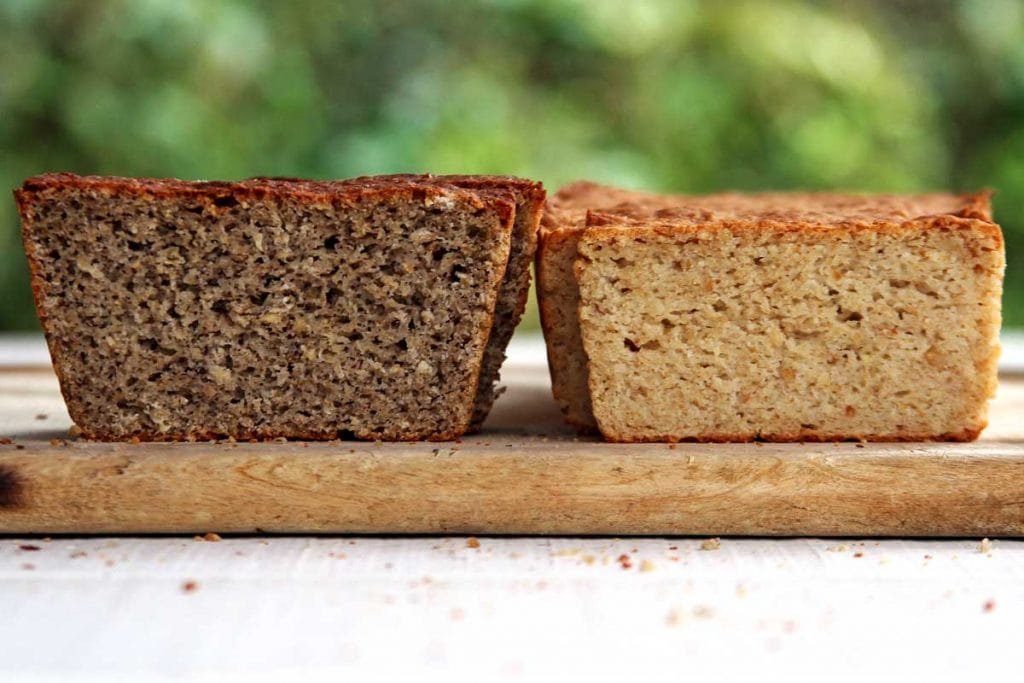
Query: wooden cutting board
{"type": "Point", "coordinates": [526, 474]}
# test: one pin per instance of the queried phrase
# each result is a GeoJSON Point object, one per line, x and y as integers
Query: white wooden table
{"type": "Point", "coordinates": [275, 608]}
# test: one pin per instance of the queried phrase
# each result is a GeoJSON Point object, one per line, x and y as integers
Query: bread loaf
{"type": "Point", "coordinates": [779, 317]}
{"type": "Point", "coordinates": [273, 308]}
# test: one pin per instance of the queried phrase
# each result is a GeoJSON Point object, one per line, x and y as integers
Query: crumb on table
{"type": "Point", "coordinates": [711, 544]}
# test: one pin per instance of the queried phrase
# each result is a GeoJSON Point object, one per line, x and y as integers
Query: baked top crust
{"type": "Point", "coordinates": [584, 204]}
{"type": "Point", "coordinates": [324, 191]}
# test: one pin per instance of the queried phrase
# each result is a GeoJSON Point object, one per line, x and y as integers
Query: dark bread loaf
{"type": "Point", "coordinates": [269, 308]}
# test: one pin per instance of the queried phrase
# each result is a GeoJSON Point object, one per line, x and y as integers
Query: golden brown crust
{"type": "Point", "coordinates": [334, 192]}
{"type": "Point", "coordinates": [583, 204]}
{"type": "Point", "coordinates": [609, 230]}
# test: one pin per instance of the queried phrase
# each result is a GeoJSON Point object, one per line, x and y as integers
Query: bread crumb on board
{"type": "Point", "coordinates": [711, 544]}
{"type": "Point", "coordinates": [646, 566]}
{"type": "Point", "coordinates": [841, 548]}
{"type": "Point", "coordinates": [208, 536]}
{"type": "Point", "coordinates": [472, 542]}
{"type": "Point", "coordinates": [189, 587]}
{"type": "Point", "coordinates": [985, 546]}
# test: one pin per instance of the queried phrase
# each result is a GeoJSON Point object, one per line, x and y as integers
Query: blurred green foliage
{"type": "Point", "coordinates": [665, 94]}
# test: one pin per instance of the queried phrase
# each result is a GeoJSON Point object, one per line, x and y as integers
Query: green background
{"type": "Point", "coordinates": [667, 95]}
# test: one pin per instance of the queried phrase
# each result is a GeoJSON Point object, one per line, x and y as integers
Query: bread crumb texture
{"type": "Point", "coordinates": [274, 308]}
{"type": "Point", "coordinates": [779, 317]}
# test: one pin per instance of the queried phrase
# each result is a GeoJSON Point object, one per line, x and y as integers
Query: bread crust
{"type": "Point", "coordinates": [561, 336]}
{"type": "Point", "coordinates": [965, 434]}
{"type": "Point", "coordinates": [208, 193]}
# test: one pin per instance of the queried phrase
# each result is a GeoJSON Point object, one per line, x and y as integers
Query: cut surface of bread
{"type": "Point", "coordinates": [266, 308]}
{"type": "Point", "coordinates": [563, 222]}
{"type": "Point", "coordinates": [528, 197]}
{"type": "Point", "coordinates": [789, 316]}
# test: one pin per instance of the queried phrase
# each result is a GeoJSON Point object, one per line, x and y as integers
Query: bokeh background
{"type": "Point", "coordinates": [662, 94]}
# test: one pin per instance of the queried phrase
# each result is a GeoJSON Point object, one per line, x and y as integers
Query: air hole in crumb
{"type": "Point", "coordinates": [135, 246]}
{"type": "Point", "coordinates": [332, 296]}
{"type": "Point", "coordinates": [331, 242]}
{"type": "Point", "coordinates": [652, 345]}
{"type": "Point", "coordinates": [402, 344]}
{"type": "Point", "coordinates": [630, 344]}
{"type": "Point", "coordinates": [667, 324]}
{"type": "Point", "coordinates": [719, 306]}
{"type": "Point", "coordinates": [456, 271]}
{"type": "Point", "coordinates": [355, 336]}
{"type": "Point", "coordinates": [758, 260]}
{"type": "Point", "coordinates": [225, 201]}
{"type": "Point", "coordinates": [848, 316]}
{"type": "Point", "coordinates": [438, 253]}
{"type": "Point", "coordinates": [219, 306]}
{"type": "Point", "coordinates": [808, 426]}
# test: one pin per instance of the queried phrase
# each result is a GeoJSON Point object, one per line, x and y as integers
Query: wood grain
{"type": "Point", "coordinates": [510, 479]}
